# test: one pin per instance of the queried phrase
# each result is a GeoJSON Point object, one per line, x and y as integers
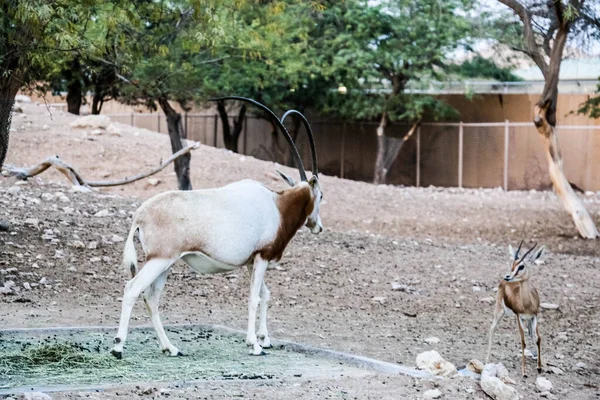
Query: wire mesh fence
{"type": "Point", "coordinates": [506, 154]}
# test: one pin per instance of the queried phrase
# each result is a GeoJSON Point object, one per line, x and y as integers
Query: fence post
{"type": "Point", "coordinates": [158, 122]}
{"type": "Point", "coordinates": [216, 121]}
{"type": "Point", "coordinates": [132, 124]}
{"type": "Point", "coordinates": [460, 154]}
{"type": "Point", "coordinates": [186, 125]}
{"type": "Point", "coordinates": [245, 134]}
{"type": "Point", "coordinates": [418, 156]}
{"type": "Point", "coordinates": [343, 150]}
{"type": "Point", "coordinates": [506, 138]}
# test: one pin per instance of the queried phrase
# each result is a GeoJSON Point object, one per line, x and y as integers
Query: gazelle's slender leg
{"type": "Point", "coordinates": [258, 274]}
{"type": "Point", "coordinates": [498, 314]}
{"type": "Point", "coordinates": [263, 332]}
{"type": "Point", "coordinates": [148, 274]}
{"type": "Point", "coordinates": [152, 298]}
{"type": "Point", "coordinates": [522, 332]}
{"type": "Point", "coordinates": [538, 339]}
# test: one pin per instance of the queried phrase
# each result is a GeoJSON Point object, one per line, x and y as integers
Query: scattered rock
{"type": "Point", "coordinates": [13, 190]}
{"type": "Point", "coordinates": [432, 340]}
{"type": "Point", "coordinates": [32, 221]}
{"type": "Point", "coordinates": [5, 290]}
{"type": "Point", "coordinates": [153, 181]}
{"type": "Point", "coordinates": [47, 196]}
{"type": "Point", "coordinates": [95, 259]}
{"type": "Point", "coordinates": [117, 238]}
{"type": "Point", "coordinates": [21, 98]}
{"type": "Point", "coordinates": [78, 244]}
{"type": "Point", "coordinates": [555, 370]}
{"type": "Point", "coordinates": [26, 285]}
{"type": "Point", "coordinates": [102, 213]}
{"type": "Point", "coordinates": [488, 300]}
{"type": "Point", "coordinates": [378, 299]}
{"type": "Point", "coordinates": [91, 121]}
{"type": "Point", "coordinates": [4, 226]}
{"type": "Point", "coordinates": [45, 127]}
{"type": "Point", "coordinates": [92, 245]}
{"type": "Point", "coordinates": [432, 362]}
{"type": "Point", "coordinates": [433, 394]}
{"type": "Point", "coordinates": [113, 130]}
{"type": "Point", "coordinates": [400, 287]}
{"type": "Point", "coordinates": [543, 385]}
{"type": "Point", "coordinates": [43, 281]}
{"type": "Point", "coordinates": [549, 306]}
{"type": "Point", "coordinates": [64, 199]}
{"type": "Point", "coordinates": [97, 132]}
{"type": "Point", "coordinates": [35, 396]}
{"type": "Point", "coordinates": [475, 366]}
{"type": "Point", "coordinates": [581, 365]}
{"type": "Point", "coordinates": [494, 387]}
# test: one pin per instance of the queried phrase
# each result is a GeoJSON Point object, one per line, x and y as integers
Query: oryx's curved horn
{"type": "Point", "coordinates": [278, 122]}
{"type": "Point", "coordinates": [311, 138]}
{"type": "Point", "coordinates": [528, 251]}
{"type": "Point", "coordinates": [518, 250]}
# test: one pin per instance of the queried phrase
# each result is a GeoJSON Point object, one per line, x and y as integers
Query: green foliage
{"type": "Point", "coordinates": [480, 67]}
{"type": "Point", "coordinates": [591, 107]}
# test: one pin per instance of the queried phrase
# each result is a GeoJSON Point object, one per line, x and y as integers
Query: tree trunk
{"type": "Point", "coordinates": [74, 87]}
{"type": "Point", "coordinates": [231, 136]}
{"type": "Point", "coordinates": [176, 134]}
{"type": "Point", "coordinates": [388, 149]}
{"type": "Point", "coordinates": [97, 103]}
{"type": "Point", "coordinates": [582, 219]}
{"type": "Point", "coordinates": [9, 86]}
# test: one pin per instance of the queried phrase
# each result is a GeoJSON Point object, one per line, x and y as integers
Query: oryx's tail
{"type": "Point", "coordinates": [129, 253]}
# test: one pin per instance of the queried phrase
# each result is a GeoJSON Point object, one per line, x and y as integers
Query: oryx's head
{"type": "Point", "coordinates": [519, 270]}
{"type": "Point", "coordinates": [313, 221]}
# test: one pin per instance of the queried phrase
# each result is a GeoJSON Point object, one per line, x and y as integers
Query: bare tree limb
{"type": "Point", "coordinates": [77, 180]}
{"type": "Point", "coordinates": [533, 48]}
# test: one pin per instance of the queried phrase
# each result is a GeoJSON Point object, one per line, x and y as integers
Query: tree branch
{"type": "Point", "coordinates": [75, 177]}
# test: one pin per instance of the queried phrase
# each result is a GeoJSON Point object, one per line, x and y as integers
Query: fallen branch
{"type": "Point", "coordinates": [75, 177]}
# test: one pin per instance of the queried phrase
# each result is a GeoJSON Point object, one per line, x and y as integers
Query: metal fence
{"type": "Point", "coordinates": [497, 154]}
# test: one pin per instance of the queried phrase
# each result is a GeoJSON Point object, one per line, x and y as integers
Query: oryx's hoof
{"type": "Point", "coordinates": [118, 354]}
{"type": "Point", "coordinates": [173, 352]}
{"type": "Point", "coordinates": [258, 354]}
{"type": "Point", "coordinates": [540, 370]}
{"type": "Point", "coordinates": [180, 354]}
{"type": "Point", "coordinates": [269, 346]}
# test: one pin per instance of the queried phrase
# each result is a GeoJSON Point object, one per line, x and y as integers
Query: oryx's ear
{"type": "Point", "coordinates": [538, 253]}
{"type": "Point", "coordinates": [286, 178]}
{"type": "Point", "coordinates": [313, 180]}
{"type": "Point", "coordinates": [512, 252]}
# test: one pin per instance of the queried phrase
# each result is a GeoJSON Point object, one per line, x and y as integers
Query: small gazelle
{"type": "Point", "coordinates": [517, 296]}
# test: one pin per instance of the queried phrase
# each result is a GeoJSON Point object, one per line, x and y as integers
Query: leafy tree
{"type": "Point", "coordinates": [383, 54]}
{"type": "Point", "coordinates": [480, 67]}
{"type": "Point", "coordinates": [32, 33]}
{"type": "Point", "coordinates": [545, 30]}
{"type": "Point", "coordinates": [592, 106]}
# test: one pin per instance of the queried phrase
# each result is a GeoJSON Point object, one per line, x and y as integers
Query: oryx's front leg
{"type": "Point", "coordinates": [263, 332]}
{"type": "Point", "coordinates": [149, 273]}
{"type": "Point", "coordinates": [258, 275]}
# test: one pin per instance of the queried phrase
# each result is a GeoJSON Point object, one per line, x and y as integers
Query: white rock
{"type": "Point", "coordinates": [78, 244]}
{"type": "Point", "coordinates": [113, 130]}
{"type": "Point", "coordinates": [95, 259]}
{"type": "Point", "coordinates": [475, 366]}
{"type": "Point", "coordinates": [45, 127]}
{"type": "Point", "coordinates": [494, 387]}
{"type": "Point", "coordinates": [432, 362]}
{"type": "Point", "coordinates": [543, 385]}
{"type": "Point", "coordinates": [432, 340]}
{"type": "Point", "coordinates": [13, 190]}
{"type": "Point", "coordinates": [378, 299]}
{"type": "Point", "coordinates": [43, 281]}
{"type": "Point", "coordinates": [97, 132]}
{"type": "Point", "coordinates": [9, 284]}
{"type": "Point", "coordinates": [433, 394]}
{"type": "Point", "coordinates": [117, 238]}
{"type": "Point", "coordinates": [64, 199]}
{"type": "Point", "coordinates": [5, 290]}
{"type": "Point", "coordinates": [35, 396]}
{"type": "Point", "coordinates": [26, 285]}
{"type": "Point", "coordinates": [21, 98]}
{"type": "Point", "coordinates": [47, 196]}
{"type": "Point", "coordinates": [153, 181]}
{"type": "Point", "coordinates": [581, 365]}
{"type": "Point", "coordinates": [32, 221]}
{"type": "Point", "coordinates": [400, 287]}
{"type": "Point", "coordinates": [91, 121]}
{"type": "Point", "coordinates": [555, 370]}
{"type": "Point", "coordinates": [102, 213]}
{"type": "Point", "coordinates": [488, 300]}
{"type": "Point", "coordinates": [549, 306]}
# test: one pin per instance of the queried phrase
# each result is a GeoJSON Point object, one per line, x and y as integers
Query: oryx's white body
{"type": "Point", "coordinates": [214, 231]}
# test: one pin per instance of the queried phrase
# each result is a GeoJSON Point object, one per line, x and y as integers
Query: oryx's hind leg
{"type": "Point", "coordinates": [152, 298]}
{"type": "Point", "coordinates": [263, 332]}
{"type": "Point", "coordinates": [148, 274]}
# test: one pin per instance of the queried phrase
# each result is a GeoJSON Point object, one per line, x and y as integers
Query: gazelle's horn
{"type": "Point", "coordinates": [311, 138]}
{"type": "Point", "coordinates": [279, 124]}
{"type": "Point", "coordinates": [528, 251]}
{"type": "Point", "coordinates": [518, 250]}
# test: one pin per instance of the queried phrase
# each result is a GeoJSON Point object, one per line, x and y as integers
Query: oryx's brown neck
{"type": "Point", "coordinates": [295, 205]}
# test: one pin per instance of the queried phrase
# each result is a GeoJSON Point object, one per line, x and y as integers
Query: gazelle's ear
{"type": "Point", "coordinates": [512, 252]}
{"type": "Point", "coordinates": [538, 253]}
{"type": "Point", "coordinates": [286, 178]}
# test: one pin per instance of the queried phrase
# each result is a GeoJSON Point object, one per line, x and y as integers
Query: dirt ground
{"type": "Point", "coordinates": [334, 290]}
